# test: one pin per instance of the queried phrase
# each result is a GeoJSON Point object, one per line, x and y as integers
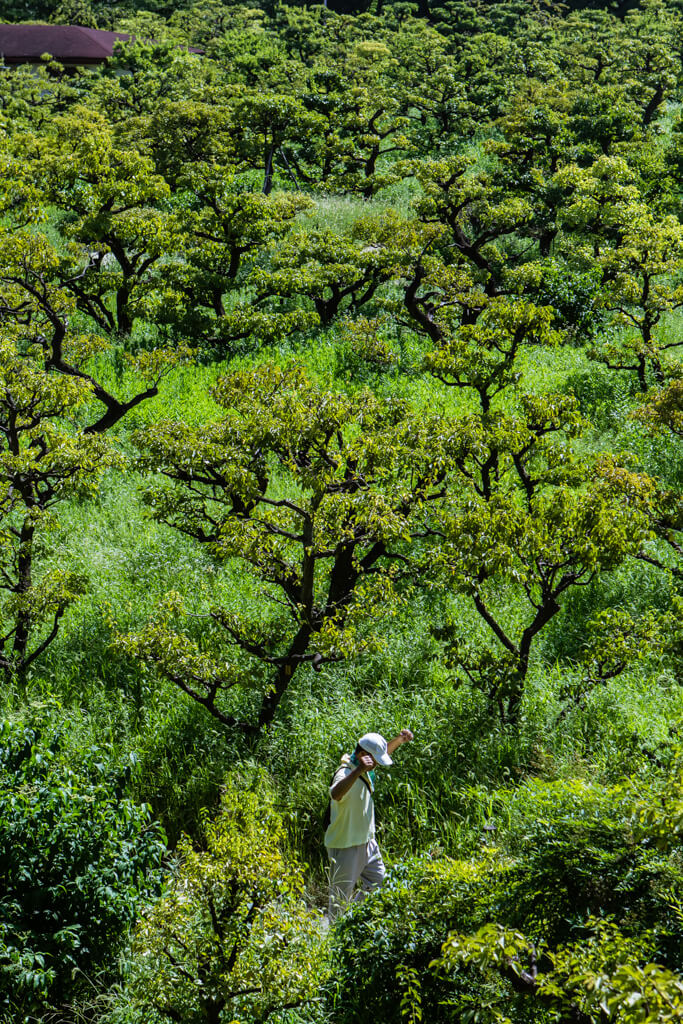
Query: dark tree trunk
{"type": "Point", "coordinates": [284, 675]}
{"type": "Point", "coordinates": [24, 581]}
{"type": "Point", "coordinates": [654, 105]}
{"type": "Point", "coordinates": [642, 373]}
{"type": "Point", "coordinates": [268, 169]}
{"type": "Point", "coordinates": [545, 242]}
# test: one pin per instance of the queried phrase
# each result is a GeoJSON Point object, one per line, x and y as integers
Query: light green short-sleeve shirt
{"type": "Point", "coordinates": [352, 819]}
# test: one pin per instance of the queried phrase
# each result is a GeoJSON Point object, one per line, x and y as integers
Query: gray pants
{"type": "Point", "coordinates": [347, 866]}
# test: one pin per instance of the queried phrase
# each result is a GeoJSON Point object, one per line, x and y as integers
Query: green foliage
{"type": "Point", "coordinates": [107, 195]}
{"type": "Point", "coordinates": [77, 857]}
{"type": "Point", "coordinates": [42, 464]}
{"type": "Point", "coordinates": [429, 501]}
{"type": "Point", "coordinates": [224, 229]}
{"type": "Point", "coordinates": [598, 898]}
{"type": "Point", "coordinates": [180, 766]}
{"type": "Point", "coordinates": [586, 881]}
{"type": "Point", "coordinates": [641, 288]}
{"type": "Point", "coordinates": [539, 519]}
{"type": "Point", "coordinates": [381, 947]}
{"type": "Point", "coordinates": [574, 297]}
{"type": "Point", "coordinates": [231, 937]}
{"type": "Point", "coordinates": [336, 272]}
{"type": "Point", "coordinates": [315, 493]}
{"type": "Point", "coordinates": [591, 981]}
{"type": "Point", "coordinates": [661, 415]}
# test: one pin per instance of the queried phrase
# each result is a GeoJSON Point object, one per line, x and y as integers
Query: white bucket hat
{"type": "Point", "coordinates": [377, 746]}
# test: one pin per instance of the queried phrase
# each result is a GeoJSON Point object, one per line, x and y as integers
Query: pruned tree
{"type": "Point", "coordinates": [208, 293]}
{"type": "Point", "coordinates": [482, 219]}
{"type": "Point", "coordinates": [54, 413]}
{"type": "Point", "coordinates": [315, 496]}
{"type": "Point", "coordinates": [109, 200]}
{"type": "Point", "coordinates": [528, 517]}
{"type": "Point", "coordinates": [336, 272]}
{"type": "Point", "coordinates": [532, 521]}
{"type": "Point", "coordinates": [611, 229]}
{"type": "Point", "coordinates": [264, 122]}
{"type": "Point", "coordinates": [477, 341]}
{"type": "Point", "coordinates": [34, 298]}
{"type": "Point", "coordinates": [362, 116]}
{"type": "Point", "coordinates": [438, 110]}
{"type": "Point", "coordinates": [44, 460]}
{"type": "Point", "coordinates": [642, 286]}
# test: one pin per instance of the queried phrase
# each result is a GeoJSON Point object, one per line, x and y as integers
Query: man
{"type": "Point", "coordinates": [350, 837]}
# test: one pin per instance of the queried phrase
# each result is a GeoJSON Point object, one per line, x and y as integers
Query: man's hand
{"type": "Point", "coordinates": [364, 763]}
{"type": "Point", "coordinates": [405, 736]}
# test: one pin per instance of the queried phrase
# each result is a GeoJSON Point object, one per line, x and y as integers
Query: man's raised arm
{"type": "Point", "coordinates": [405, 736]}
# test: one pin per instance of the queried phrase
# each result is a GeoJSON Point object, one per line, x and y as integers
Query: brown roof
{"type": "Point", "coordinates": [69, 44]}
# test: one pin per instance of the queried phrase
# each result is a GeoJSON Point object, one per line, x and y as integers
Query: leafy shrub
{"type": "Point", "coordinates": [232, 937]}
{"type": "Point", "coordinates": [603, 976]}
{"type": "Point", "coordinates": [397, 932]}
{"type": "Point", "coordinates": [75, 859]}
{"type": "Point", "coordinates": [586, 883]}
{"type": "Point", "coordinates": [589, 928]}
{"type": "Point", "coordinates": [580, 854]}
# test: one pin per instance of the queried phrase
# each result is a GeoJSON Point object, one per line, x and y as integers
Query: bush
{"type": "Point", "coordinates": [232, 937]}
{"type": "Point", "coordinates": [75, 859]}
{"type": "Point", "coordinates": [586, 881]}
{"type": "Point", "coordinates": [397, 932]}
{"type": "Point", "coordinates": [579, 855]}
